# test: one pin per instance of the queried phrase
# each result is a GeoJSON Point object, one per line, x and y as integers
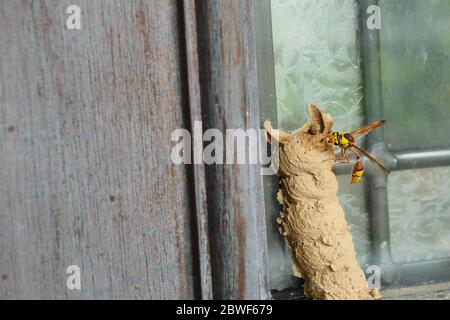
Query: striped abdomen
{"type": "Point", "coordinates": [357, 171]}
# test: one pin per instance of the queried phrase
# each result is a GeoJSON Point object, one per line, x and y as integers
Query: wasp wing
{"type": "Point", "coordinates": [366, 129]}
{"type": "Point", "coordinates": [386, 171]}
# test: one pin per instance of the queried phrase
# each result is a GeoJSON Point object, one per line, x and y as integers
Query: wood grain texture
{"type": "Point", "coordinates": [85, 170]}
{"type": "Point", "coordinates": [198, 170]}
{"type": "Point", "coordinates": [228, 69]}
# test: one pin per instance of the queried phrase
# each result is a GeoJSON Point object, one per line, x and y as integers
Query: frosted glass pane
{"type": "Point", "coordinates": [419, 212]}
{"type": "Point", "coordinates": [415, 54]}
{"type": "Point", "coordinates": [351, 198]}
{"type": "Point", "coordinates": [317, 61]}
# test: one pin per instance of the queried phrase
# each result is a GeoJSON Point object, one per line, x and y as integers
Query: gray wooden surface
{"type": "Point", "coordinates": [85, 170]}
{"type": "Point", "coordinates": [230, 95]}
{"type": "Point", "coordinates": [202, 240]}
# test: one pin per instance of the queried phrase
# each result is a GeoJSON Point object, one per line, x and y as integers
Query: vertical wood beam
{"type": "Point", "coordinates": [230, 99]}
{"type": "Point", "coordinates": [195, 114]}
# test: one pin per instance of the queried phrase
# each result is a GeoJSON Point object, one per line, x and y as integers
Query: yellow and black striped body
{"type": "Point", "coordinates": [357, 171]}
{"type": "Point", "coordinates": [343, 139]}
{"type": "Point", "coordinates": [346, 141]}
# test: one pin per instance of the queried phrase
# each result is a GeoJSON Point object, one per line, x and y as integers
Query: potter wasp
{"type": "Point", "coordinates": [346, 141]}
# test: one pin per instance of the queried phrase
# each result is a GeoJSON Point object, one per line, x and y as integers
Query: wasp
{"type": "Point", "coordinates": [346, 141]}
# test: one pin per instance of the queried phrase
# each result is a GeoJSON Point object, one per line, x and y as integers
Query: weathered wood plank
{"type": "Point", "coordinates": [229, 88]}
{"type": "Point", "coordinates": [195, 111]}
{"type": "Point", "coordinates": [85, 170]}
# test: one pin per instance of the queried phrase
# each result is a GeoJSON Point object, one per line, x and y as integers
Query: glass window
{"type": "Point", "coordinates": [415, 57]}
{"type": "Point", "coordinates": [317, 60]}
{"type": "Point", "coordinates": [419, 202]}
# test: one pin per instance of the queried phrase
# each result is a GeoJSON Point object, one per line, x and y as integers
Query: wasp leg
{"type": "Point", "coordinates": [329, 145]}
{"type": "Point", "coordinates": [342, 159]}
{"type": "Point", "coordinates": [326, 137]}
{"type": "Point", "coordinates": [345, 156]}
{"type": "Point", "coordinates": [357, 156]}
